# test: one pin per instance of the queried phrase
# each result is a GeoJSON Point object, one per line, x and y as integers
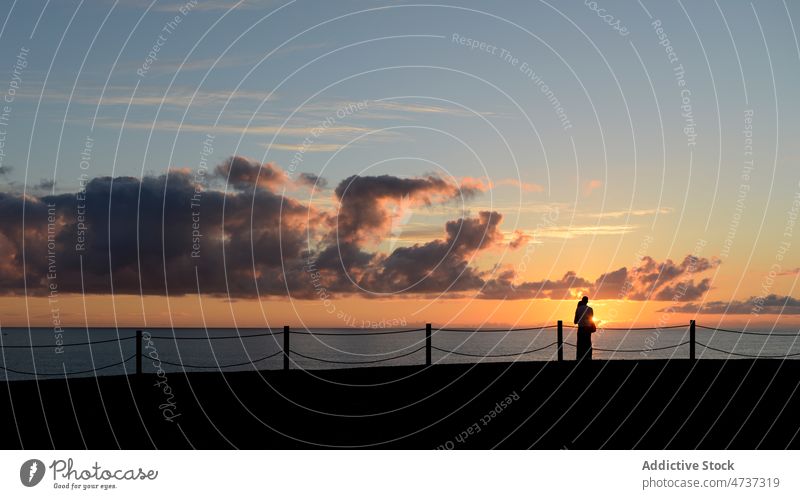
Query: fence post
{"type": "Point", "coordinates": [560, 340]}
{"type": "Point", "coordinates": [691, 340]}
{"type": "Point", "coordinates": [427, 344]}
{"type": "Point", "coordinates": [286, 347]}
{"type": "Point", "coordinates": [138, 352]}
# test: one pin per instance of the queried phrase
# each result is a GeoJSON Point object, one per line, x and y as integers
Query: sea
{"type": "Point", "coordinates": [112, 350]}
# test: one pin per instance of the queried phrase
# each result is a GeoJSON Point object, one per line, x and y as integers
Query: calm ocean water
{"type": "Point", "coordinates": [48, 362]}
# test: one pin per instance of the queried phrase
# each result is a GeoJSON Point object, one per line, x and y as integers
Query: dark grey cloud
{"type": "Point", "coordinates": [657, 281]}
{"type": "Point", "coordinates": [45, 184]}
{"type": "Point", "coordinates": [139, 238]}
{"type": "Point", "coordinates": [167, 234]}
{"type": "Point", "coordinates": [245, 173]}
{"type": "Point", "coordinates": [503, 287]}
{"type": "Point", "coordinates": [439, 265]}
{"type": "Point", "coordinates": [312, 180]}
{"type": "Point", "coordinates": [362, 212]}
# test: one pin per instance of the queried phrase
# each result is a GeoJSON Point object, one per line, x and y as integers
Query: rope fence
{"type": "Point", "coordinates": [287, 352]}
{"type": "Point", "coordinates": [96, 369]}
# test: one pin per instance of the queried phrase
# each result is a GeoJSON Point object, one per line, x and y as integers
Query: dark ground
{"type": "Point", "coordinates": [648, 404]}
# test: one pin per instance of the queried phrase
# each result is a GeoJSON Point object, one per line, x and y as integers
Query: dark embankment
{"type": "Point", "coordinates": [618, 405]}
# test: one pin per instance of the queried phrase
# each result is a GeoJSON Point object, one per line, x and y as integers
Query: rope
{"type": "Point", "coordinates": [636, 328]}
{"type": "Point", "coordinates": [632, 351]}
{"type": "Point", "coordinates": [750, 356]}
{"type": "Point", "coordinates": [374, 333]}
{"type": "Point", "coordinates": [643, 328]}
{"type": "Point", "coordinates": [214, 337]}
{"type": "Point", "coordinates": [494, 355]}
{"type": "Point", "coordinates": [67, 374]}
{"type": "Point", "coordinates": [355, 362]}
{"type": "Point", "coordinates": [746, 332]}
{"type": "Point", "coordinates": [71, 344]}
{"type": "Point", "coordinates": [506, 330]}
{"type": "Point", "coordinates": [249, 362]}
{"type": "Point", "coordinates": [641, 351]}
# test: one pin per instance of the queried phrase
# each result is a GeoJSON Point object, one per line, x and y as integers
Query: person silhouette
{"type": "Point", "coordinates": [584, 318]}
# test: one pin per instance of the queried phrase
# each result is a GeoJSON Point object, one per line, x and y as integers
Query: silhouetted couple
{"type": "Point", "coordinates": [584, 318]}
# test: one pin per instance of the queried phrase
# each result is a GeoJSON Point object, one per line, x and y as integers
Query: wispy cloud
{"type": "Point", "coordinates": [171, 66]}
{"type": "Point", "coordinates": [590, 186]}
{"type": "Point", "coordinates": [300, 147]}
{"type": "Point", "coordinates": [205, 5]}
{"type": "Point", "coordinates": [634, 213]}
{"type": "Point", "coordinates": [573, 231]}
{"type": "Point", "coordinates": [524, 186]}
{"type": "Point", "coordinates": [175, 126]}
{"type": "Point", "coordinates": [388, 110]}
{"type": "Point", "coordinates": [120, 95]}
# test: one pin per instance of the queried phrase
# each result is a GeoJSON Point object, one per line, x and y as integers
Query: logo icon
{"type": "Point", "coordinates": [31, 472]}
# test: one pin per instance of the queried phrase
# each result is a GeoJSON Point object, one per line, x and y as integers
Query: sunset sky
{"type": "Point", "coordinates": [369, 163]}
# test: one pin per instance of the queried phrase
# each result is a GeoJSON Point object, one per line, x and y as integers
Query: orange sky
{"type": "Point", "coordinates": [188, 311]}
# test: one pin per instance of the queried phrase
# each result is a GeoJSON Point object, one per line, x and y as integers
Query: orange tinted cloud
{"type": "Point", "coordinates": [524, 186]}
{"type": "Point", "coordinates": [590, 185]}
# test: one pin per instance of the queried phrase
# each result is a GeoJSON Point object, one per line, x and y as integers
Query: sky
{"type": "Point", "coordinates": [378, 163]}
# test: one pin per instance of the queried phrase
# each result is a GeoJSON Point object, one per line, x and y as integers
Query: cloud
{"type": "Point", "coordinates": [44, 185]}
{"type": "Point", "coordinates": [154, 235]}
{"type": "Point", "coordinates": [312, 180]}
{"type": "Point", "coordinates": [590, 185]}
{"type": "Point", "coordinates": [5, 170]}
{"type": "Point", "coordinates": [167, 234]}
{"type": "Point", "coordinates": [519, 239]}
{"type": "Point", "coordinates": [650, 280]}
{"type": "Point", "coordinates": [244, 173]}
{"type": "Point", "coordinates": [573, 231]}
{"type": "Point", "coordinates": [439, 265]}
{"type": "Point", "coordinates": [770, 304]}
{"type": "Point", "coordinates": [301, 147]}
{"type": "Point", "coordinates": [264, 130]}
{"type": "Point", "coordinates": [363, 212]}
{"type": "Point", "coordinates": [472, 185]}
{"type": "Point", "coordinates": [653, 280]}
{"type": "Point", "coordinates": [632, 213]}
{"type": "Point", "coordinates": [203, 5]}
{"type": "Point", "coordinates": [523, 186]}
{"type": "Point", "coordinates": [503, 287]}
